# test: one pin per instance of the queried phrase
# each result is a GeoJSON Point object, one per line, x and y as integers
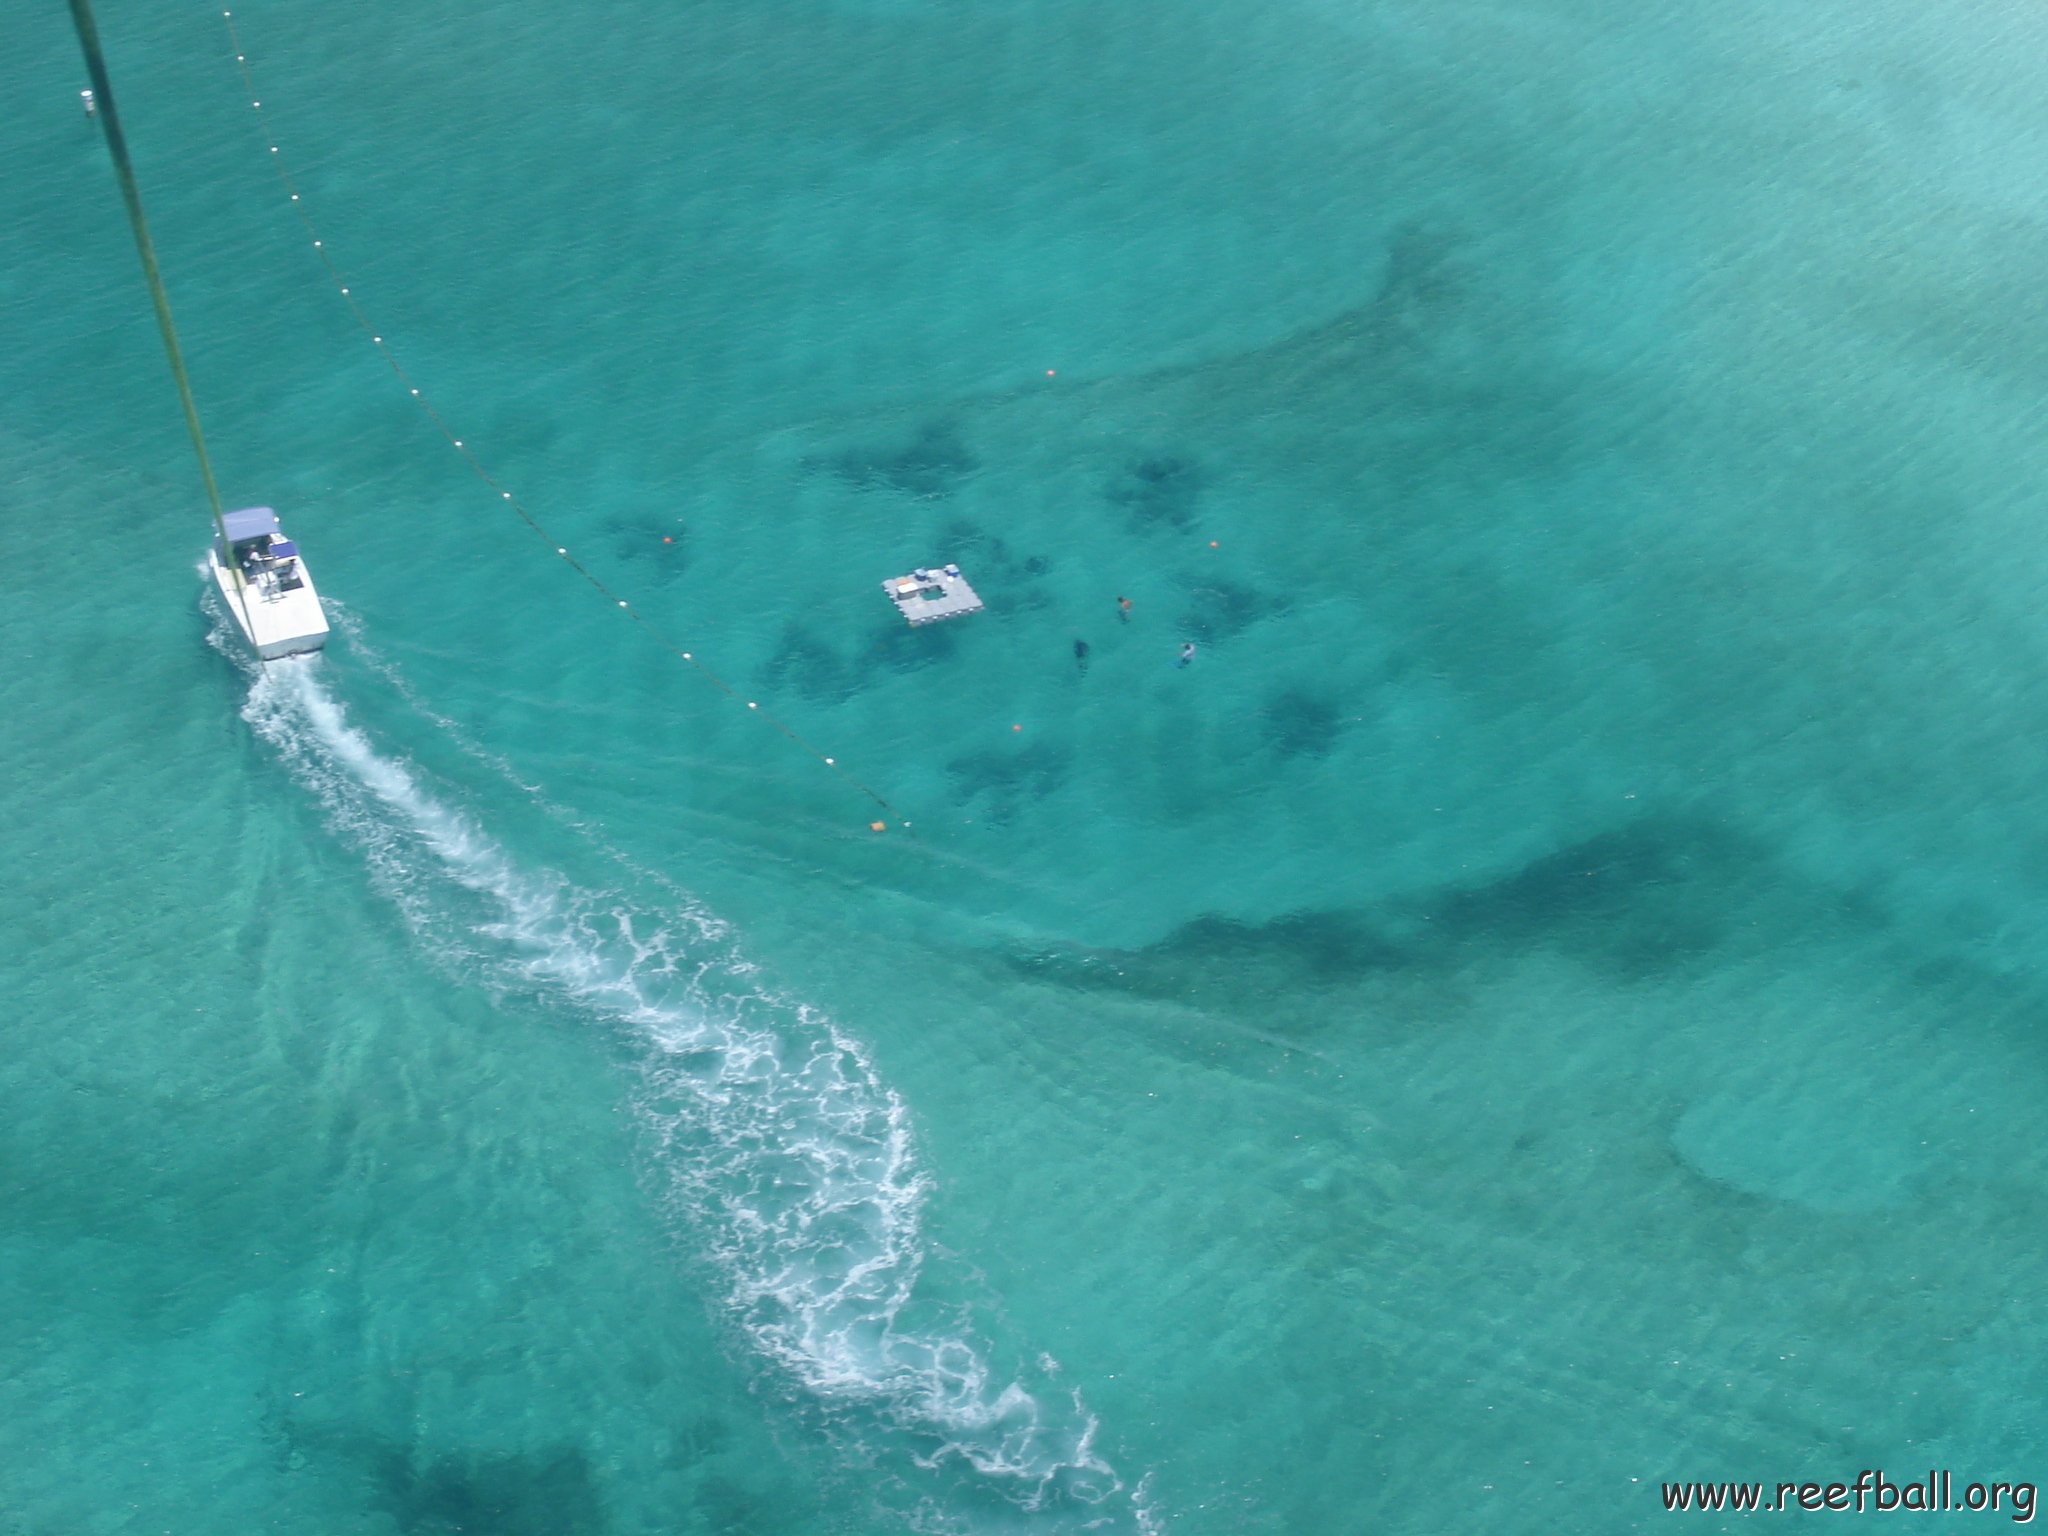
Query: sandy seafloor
{"type": "Point", "coordinates": [1550, 1001]}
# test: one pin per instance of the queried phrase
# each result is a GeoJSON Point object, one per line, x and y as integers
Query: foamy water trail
{"type": "Point", "coordinates": [789, 1167]}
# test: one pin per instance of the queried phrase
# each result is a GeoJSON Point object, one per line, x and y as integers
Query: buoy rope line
{"type": "Point", "coordinates": [482, 473]}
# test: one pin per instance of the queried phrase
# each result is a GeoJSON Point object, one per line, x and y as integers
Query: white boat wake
{"type": "Point", "coordinates": [786, 1164]}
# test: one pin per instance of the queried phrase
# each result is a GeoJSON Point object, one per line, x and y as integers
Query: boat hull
{"type": "Point", "coordinates": [274, 622]}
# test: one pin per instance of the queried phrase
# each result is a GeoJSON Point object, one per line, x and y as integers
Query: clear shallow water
{"type": "Point", "coordinates": [1549, 999]}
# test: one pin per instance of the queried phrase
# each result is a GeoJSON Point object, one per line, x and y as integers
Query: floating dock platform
{"type": "Point", "coordinates": [927, 596]}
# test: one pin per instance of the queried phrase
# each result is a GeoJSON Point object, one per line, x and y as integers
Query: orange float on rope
{"type": "Point", "coordinates": [878, 826]}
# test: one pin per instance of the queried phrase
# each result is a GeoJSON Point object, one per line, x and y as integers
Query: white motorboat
{"type": "Point", "coordinates": [263, 580]}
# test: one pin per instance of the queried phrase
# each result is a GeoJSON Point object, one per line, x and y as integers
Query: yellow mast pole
{"type": "Point", "coordinates": [103, 95]}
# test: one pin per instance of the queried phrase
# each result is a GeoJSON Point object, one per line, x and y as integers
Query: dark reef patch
{"type": "Point", "coordinates": [1298, 723]}
{"type": "Point", "coordinates": [968, 542]}
{"type": "Point", "coordinates": [906, 647]}
{"type": "Point", "coordinates": [728, 1508]}
{"type": "Point", "coordinates": [649, 542]}
{"type": "Point", "coordinates": [999, 784]}
{"type": "Point", "coordinates": [930, 466]}
{"type": "Point", "coordinates": [1421, 270]}
{"type": "Point", "coordinates": [544, 1495]}
{"type": "Point", "coordinates": [1004, 580]}
{"type": "Point", "coordinates": [1229, 966]}
{"type": "Point", "coordinates": [806, 663]}
{"type": "Point", "coordinates": [1634, 901]}
{"type": "Point", "coordinates": [1218, 609]}
{"type": "Point", "coordinates": [1324, 947]}
{"type": "Point", "coordinates": [1159, 490]}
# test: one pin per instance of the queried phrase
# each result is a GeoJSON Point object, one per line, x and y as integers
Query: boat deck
{"type": "Point", "coordinates": [286, 620]}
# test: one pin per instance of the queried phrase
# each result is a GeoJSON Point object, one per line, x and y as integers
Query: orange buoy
{"type": "Point", "coordinates": [878, 826]}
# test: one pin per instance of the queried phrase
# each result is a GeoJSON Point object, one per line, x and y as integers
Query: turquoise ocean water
{"type": "Point", "coordinates": [1550, 1001]}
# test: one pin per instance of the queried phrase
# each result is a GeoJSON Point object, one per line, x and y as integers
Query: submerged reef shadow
{"type": "Point", "coordinates": [1000, 783]}
{"type": "Point", "coordinates": [649, 542]}
{"type": "Point", "coordinates": [905, 647]}
{"type": "Point", "coordinates": [1638, 900]}
{"type": "Point", "coordinates": [1158, 491]}
{"type": "Point", "coordinates": [806, 663]}
{"type": "Point", "coordinates": [550, 1494]}
{"type": "Point", "coordinates": [967, 541]}
{"type": "Point", "coordinates": [1219, 608]}
{"type": "Point", "coordinates": [544, 1491]}
{"type": "Point", "coordinates": [929, 467]}
{"type": "Point", "coordinates": [1007, 582]}
{"type": "Point", "coordinates": [1299, 723]}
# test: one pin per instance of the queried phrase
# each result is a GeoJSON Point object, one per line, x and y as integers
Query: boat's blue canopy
{"type": "Point", "coordinates": [249, 523]}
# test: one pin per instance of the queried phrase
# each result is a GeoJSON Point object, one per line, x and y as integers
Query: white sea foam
{"type": "Point", "coordinates": [789, 1166]}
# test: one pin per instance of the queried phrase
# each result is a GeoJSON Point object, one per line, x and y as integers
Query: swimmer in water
{"type": "Point", "coordinates": [1081, 654]}
{"type": "Point", "coordinates": [1123, 609]}
{"type": "Point", "coordinates": [1187, 653]}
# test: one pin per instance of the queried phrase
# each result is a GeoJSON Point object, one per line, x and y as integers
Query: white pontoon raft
{"type": "Point", "coordinates": [927, 596]}
{"type": "Point", "coordinates": [274, 604]}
